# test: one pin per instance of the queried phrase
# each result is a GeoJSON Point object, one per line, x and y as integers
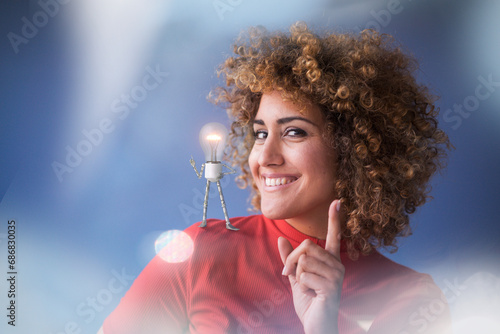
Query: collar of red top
{"type": "Point", "coordinates": [283, 229]}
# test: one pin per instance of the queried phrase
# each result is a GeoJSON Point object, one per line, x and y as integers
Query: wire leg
{"type": "Point", "coordinates": [205, 205]}
{"type": "Point", "coordinates": [223, 203]}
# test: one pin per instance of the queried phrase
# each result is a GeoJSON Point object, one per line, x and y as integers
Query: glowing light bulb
{"type": "Point", "coordinates": [213, 140]}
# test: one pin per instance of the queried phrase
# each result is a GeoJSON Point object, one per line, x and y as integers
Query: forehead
{"type": "Point", "coordinates": [272, 107]}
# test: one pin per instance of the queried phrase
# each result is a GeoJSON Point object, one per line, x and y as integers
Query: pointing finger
{"type": "Point", "coordinates": [332, 243]}
{"type": "Point", "coordinates": [285, 248]}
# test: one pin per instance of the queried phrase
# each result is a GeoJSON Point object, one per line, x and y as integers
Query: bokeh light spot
{"type": "Point", "coordinates": [174, 246]}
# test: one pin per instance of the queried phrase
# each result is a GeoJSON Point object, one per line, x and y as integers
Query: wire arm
{"type": "Point", "coordinates": [231, 171]}
{"type": "Point", "coordinates": [200, 174]}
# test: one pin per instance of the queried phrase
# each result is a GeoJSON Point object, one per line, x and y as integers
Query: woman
{"type": "Point", "coordinates": [338, 142]}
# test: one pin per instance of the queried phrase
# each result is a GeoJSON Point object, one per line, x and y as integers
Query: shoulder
{"type": "Point", "coordinates": [215, 237]}
{"type": "Point", "coordinates": [393, 296]}
{"type": "Point", "coordinates": [216, 228]}
{"type": "Point", "coordinates": [390, 268]}
{"type": "Point", "coordinates": [250, 249]}
{"type": "Point", "coordinates": [383, 276]}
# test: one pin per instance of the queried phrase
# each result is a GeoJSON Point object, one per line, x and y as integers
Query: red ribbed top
{"type": "Point", "coordinates": [232, 283]}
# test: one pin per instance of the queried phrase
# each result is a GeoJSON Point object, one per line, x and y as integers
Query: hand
{"type": "Point", "coordinates": [316, 277]}
{"type": "Point", "coordinates": [191, 161]}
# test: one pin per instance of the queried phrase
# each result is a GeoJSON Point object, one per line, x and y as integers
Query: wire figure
{"type": "Point", "coordinates": [213, 173]}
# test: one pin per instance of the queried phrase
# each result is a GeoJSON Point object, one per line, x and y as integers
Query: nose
{"type": "Point", "coordinates": [271, 153]}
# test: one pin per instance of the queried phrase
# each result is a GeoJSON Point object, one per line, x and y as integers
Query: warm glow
{"type": "Point", "coordinates": [214, 137]}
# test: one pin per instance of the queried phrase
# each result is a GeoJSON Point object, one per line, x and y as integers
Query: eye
{"type": "Point", "coordinates": [260, 134]}
{"type": "Point", "coordinates": [295, 132]}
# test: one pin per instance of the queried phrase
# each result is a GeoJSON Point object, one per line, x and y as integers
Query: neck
{"type": "Point", "coordinates": [313, 225]}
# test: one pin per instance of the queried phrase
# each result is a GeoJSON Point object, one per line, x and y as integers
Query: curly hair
{"type": "Point", "coordinates": [379, 120]}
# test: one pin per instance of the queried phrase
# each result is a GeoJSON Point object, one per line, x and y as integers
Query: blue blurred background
{"type": "Point", "coordinates": [123, 83]}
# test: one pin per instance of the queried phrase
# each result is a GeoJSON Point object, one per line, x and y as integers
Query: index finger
{"type": "Point", "coordinates": [332, 243]}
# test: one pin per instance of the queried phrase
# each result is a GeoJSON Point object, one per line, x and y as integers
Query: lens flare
{"type": "Point", "coordinates": [174, 246]}
{"type": "Point", "coordinates": [477, 324]}
{"type": "Point", "coordinates": [477, 305]}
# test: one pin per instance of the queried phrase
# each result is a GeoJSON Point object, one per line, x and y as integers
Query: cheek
{"type": "Point", "coordinates": [321, 163]}
{"type": "Point", "coordinates": [252, 162]}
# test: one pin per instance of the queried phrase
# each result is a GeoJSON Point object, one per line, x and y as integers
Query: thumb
{"type": "Point", "coordinates": [285, 248]}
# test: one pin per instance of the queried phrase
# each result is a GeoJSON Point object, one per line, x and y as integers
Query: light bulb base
{"type": "Point", "coordinates": [213, 171]}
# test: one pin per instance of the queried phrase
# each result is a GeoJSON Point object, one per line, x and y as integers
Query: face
{"type": "Point", "coordinates": [292, 166]}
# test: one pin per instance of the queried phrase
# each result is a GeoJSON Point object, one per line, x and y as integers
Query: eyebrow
{"type": "Point", "coordinates": [285, 120]}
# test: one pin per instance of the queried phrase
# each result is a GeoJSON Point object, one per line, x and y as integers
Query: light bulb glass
{"type": "Point", "coordinates": [213, 138]}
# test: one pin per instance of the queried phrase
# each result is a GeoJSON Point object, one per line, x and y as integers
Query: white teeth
{"type": "Point", "coordinates": [272, 182]}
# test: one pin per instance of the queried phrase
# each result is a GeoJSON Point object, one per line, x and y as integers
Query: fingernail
{"type": "Point", "coordinates": [338, 205]}
{"type": "Point", "coordinates": [284, 270]}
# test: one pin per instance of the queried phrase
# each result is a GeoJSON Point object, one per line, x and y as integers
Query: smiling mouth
{"type": "Point", "coordinates": [279, 181]}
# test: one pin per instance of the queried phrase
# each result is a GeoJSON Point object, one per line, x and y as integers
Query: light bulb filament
{"type": "Point", "coordinates": [214, 137]}
{"type": "Point", "coordinates": [214, 140]}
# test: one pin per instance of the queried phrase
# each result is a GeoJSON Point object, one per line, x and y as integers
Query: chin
{"type": "Point", "coordinates": [275, 214]}
{"type": "Point", "coordinates": [272, 216]}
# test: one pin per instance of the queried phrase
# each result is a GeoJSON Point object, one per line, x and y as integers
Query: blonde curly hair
{"type": "Point", "coordinates": [379, 120]}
